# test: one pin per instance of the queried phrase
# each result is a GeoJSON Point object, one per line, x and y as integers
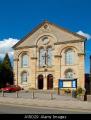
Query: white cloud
{"type": "Point", "coordinates": [6, 47]}
{"type": "Point", "coordinates": [88, 36]}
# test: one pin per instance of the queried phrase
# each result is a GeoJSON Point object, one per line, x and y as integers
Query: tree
{"type": "Point", "coordinates": [7, 71]}
{"type": "Point", "coordinates": [1, 79]}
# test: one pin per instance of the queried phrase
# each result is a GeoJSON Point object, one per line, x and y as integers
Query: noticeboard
{"type": "Point", "coordinates": [67, 83]}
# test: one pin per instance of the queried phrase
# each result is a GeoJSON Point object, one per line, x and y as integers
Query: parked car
{"type": "Point", "coordinates": [12, 88]}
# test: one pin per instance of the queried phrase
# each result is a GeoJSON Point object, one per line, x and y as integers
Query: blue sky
{"type": "Point", "coordinates": [19, 17]}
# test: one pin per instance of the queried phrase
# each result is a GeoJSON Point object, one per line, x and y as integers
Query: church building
{"type": "Point", "coordinates": [50, 57]}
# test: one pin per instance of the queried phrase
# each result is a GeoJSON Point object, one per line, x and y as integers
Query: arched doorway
{"type": "Point", "coordinates": [50, 81]}
{"type": "Point", "coordinates": [40, 81]}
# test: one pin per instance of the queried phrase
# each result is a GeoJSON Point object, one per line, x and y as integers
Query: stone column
{"type": "Point", "coordinates": [45, 78]}
{"type": "Point", "coordinates": [45, 84]}
{"type": "Point", "coordinates": [36, 80]}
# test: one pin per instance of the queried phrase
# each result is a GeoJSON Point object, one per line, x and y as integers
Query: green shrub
{"type": "Point", "coordinates": [79, 90]}
{"type": "Point", "coordinates": [67, 91]}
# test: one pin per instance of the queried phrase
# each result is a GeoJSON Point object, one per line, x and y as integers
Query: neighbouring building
{"type": "Point", "coordinates": [87, 83]}
{"type": "Point", "coordinates": [48, 57]}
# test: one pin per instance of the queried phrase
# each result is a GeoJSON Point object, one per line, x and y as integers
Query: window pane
{"type": "Point", "coordinates": [25, 60]}
{"type": "Point", "coordinates": [42, 57]}
{"type": "Point", "coordinates": [69, 57]}
{"type": "Point", "coordinates": [45, 57]}
{"type": "Point", "coordinates": [69, 74]}
{"type": "Point", "coordinates": [24, 77]}
{"type": "Point", "coordinates": [49, 57]}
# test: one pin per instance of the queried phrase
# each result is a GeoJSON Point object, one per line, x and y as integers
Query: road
{"type": "Point", "coordinates": [20, 109]}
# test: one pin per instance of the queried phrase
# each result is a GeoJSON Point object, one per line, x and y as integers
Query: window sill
{"type": "Point", "coordinates": [24, 83]}
{"type": "Point", "coordinates": [25, 67]}
{"type": "Point", "coordinates": [45, 66]}
{"type": "Point", "coordinates": [70, 65]}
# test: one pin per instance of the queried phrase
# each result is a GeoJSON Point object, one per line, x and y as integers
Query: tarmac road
{"type": "Point", "coordinates": [21, 109]}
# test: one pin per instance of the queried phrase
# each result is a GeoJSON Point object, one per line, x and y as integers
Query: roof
{"type": "Point", "coordinates": [34, 30]}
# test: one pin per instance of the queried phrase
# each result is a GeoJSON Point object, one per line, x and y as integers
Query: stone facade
{"type": "Point", "coordinates": [60, 40]}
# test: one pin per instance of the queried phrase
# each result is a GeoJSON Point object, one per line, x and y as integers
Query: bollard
{"type": "Point", "coordinates": [51, 95]}
{"type": "Point", "coordinates": [33, 94]}
{"type": "Point", "coordinates": [2, 93]}
{"type": "Point", "coordinates": [17, 94]}
{"type": "Point", "coordinates": [58, 91]}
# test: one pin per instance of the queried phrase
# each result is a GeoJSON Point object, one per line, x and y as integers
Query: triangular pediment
{"type": "Point", "coordinates": [47, 28]}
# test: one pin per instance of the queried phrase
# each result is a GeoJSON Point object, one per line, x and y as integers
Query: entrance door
{"type": "Point", "coordinates": [50, 81]}
{"type": "Point", "coordinates": [40, 82]}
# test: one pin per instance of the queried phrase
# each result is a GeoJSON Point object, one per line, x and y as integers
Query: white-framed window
{"type": "Point", "coordinates": [49, 57]}
{"type": "Point", "coordinates": [69, 57]}
{"type": "Point", "coordinates": [24, 77]}
{"type": "Point", "coordinates": [41, 57]}
{"type": "Point", "coordinates": [69, 73]}
{"type": "Point", "coordinates": [45, 56]}
{"type": "Point", "coordinates": [25, 60]}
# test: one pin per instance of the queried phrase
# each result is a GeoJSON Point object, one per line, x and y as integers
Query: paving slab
{"type": "Point", "coordinates": [61, 104]}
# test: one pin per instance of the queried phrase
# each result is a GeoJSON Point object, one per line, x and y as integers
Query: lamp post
{"type": "Point", "coordinates": [58, 91]}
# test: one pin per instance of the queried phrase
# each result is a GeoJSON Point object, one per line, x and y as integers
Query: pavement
{"type": "Point", "coordinates": [45, 100]}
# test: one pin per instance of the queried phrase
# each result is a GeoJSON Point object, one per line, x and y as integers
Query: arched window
{"type": "Point", "coordinates": [25, 60]}
{"type": "Point", "coordinates": [69, 57]}
{"type": "Point", "coordinates": [45, 56]}
{"type": "Point", "coordinates": [69, 73]}
{"type": "Point", "coordinates": [41, 57]}
{"type": "Point", "coordinates": [49, 57]}
{"type": "Point", "coordinates": [24, 77]}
